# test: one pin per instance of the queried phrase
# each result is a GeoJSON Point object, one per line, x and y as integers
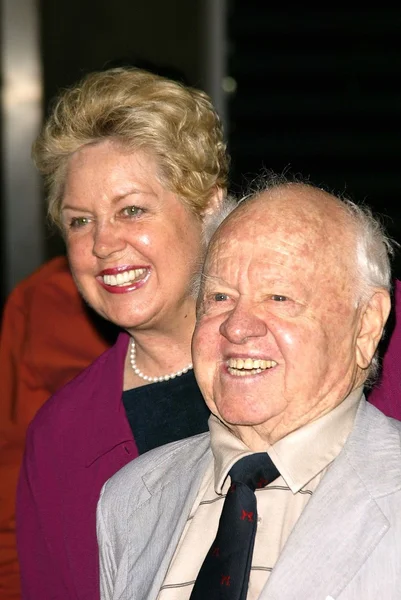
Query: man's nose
{"type": "Point", "coordinates": [107, 240]}
{"type": "Point", "coordinates": [241, 324]}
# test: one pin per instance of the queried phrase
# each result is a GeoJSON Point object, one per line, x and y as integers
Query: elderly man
{"type": "Point", "coordinates": [296, 492]}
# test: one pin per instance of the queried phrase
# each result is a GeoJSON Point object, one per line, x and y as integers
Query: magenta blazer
{"type": "Point", "coordinates": [78, 439]}
{"type": "Point", "coordinates": [386, 395]}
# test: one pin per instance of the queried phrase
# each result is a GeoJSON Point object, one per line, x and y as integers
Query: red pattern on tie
{"type": "Point", "coordinates": [262, 483]}
{"type": "Point", "coordinates": [247, 515]}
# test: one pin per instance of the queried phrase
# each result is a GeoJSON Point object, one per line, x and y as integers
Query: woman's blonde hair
{"type": "Point", "coordinates": [176, 124]}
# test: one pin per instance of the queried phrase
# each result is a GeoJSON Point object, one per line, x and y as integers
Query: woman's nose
{"type": "Point", "coordinates": [107, 240]}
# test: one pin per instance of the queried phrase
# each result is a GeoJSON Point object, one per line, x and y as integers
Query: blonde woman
{"type": "Point", "coordinates": [135, 168]}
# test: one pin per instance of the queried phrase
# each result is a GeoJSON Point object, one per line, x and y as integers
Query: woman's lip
{"type": "Point", "coordinates": [121, 269]}
{"type": "Point", "coordinates": [122, 289]}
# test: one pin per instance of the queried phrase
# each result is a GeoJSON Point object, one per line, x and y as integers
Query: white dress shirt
{"type": "Point", "coordinates": [302, 458]}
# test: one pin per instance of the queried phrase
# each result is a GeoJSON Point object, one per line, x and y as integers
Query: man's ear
{"type": "Point", "coordinates": [373, 319]}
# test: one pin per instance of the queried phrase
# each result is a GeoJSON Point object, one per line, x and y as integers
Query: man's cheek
{"type": "Point", "coordinates": [203, 348]}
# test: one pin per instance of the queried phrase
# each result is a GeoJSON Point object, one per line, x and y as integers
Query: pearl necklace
{"type": "Point", "coordinates": [147, 377]}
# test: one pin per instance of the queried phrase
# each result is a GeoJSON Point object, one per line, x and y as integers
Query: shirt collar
{"type": "Point", "coordinates": [300, 455]}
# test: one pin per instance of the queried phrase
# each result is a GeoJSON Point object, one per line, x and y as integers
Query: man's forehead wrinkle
{"type": "Point", "coordinates": [275, 236]}
{"type": "Point", "coordinates": [298, 224]}
{"type": "Point", "coordinates": [211, 280]}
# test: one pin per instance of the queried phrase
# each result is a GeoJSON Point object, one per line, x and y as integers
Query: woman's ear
{"type": "Point", "coordinates": [218, 208]}
{"type": "Point", "coordinates": [373, 320]}
{"type": "Point", "coordinates": [214, 204]}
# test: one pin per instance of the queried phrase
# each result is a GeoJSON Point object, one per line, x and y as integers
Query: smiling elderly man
{"type": "Point", "coordinates": [296, 492]}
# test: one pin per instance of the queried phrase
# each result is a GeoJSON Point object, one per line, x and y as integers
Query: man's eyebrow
{"type": "Point", "coordinates": [207, 281]}
{"type": "Point", "coordinates": [213, 279]}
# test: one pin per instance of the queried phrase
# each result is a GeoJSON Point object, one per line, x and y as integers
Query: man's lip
{"type": "Point", "coordinates": [121, 269]}
{"type": "Point", "coordinates": [250, 355]}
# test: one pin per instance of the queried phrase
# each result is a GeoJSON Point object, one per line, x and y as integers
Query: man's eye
{"type": "Point", "coordinates": [77, 222]}
{"type": "Point", "coordinates": [279, 298]}
{"type": "Point", "coordinates": [132, 211]}
{"type": "Point", "coordinates": [219, 297]}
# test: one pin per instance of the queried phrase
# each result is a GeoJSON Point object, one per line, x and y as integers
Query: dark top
{"type": "Point", "coordinates": [165, 411]}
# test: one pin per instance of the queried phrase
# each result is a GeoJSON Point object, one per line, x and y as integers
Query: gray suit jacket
{"type": "Point", "coordinates": [346, 545]}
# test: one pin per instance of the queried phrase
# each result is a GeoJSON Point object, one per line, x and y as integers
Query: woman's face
{"type": "Point", "coordinates": [133, 246]}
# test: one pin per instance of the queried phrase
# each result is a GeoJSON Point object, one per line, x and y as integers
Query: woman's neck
{"type": "Point", "coordinates": [159, 351]}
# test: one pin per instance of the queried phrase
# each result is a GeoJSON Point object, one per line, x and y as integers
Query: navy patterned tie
{"type": "Point", "coordinates": [224, 574]}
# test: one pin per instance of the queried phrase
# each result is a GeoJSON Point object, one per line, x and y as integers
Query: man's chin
{"type": "Point", "coordinates": [234, 419]}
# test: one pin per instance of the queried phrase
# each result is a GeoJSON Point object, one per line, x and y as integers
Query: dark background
{"type": "Point", "coordinates": [317, 92]}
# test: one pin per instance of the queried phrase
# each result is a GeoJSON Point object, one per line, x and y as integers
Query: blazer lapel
{"type": "Point", "coordinates": [173, 484]}
{"type": "Point", "coordinates": [342, 523]}
{"type": "Point", "coordinates": [334, 536]}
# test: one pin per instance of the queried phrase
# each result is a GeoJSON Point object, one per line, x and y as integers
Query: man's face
{"type": "Point", "coordinates": [275, 342]}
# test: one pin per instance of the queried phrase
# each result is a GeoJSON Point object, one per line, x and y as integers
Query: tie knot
{"type": "Point", "coordinates": [255, 470]}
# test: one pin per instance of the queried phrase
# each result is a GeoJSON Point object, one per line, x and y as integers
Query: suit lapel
{"type": "Point", "coordinates": [173, 484]}
{"type": "Point", "coordinates": [342, 523]}
{"type": "Point", "coordinates": [335, 534]}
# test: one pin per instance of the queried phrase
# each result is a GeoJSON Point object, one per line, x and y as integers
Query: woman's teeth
{"type": "Point", "coordinates": [125, 278]}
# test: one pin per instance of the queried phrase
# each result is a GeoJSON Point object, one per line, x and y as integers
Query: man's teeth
{"type": "Point", "coordinates": [249, 366]}
{"type": "Point", "coordinates": [124, 278]}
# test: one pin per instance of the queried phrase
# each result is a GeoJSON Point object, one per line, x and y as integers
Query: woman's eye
{"type": "Point", "coordinates": [77, 222]}
{"type": "Point", "coordinates": [279, 298]}
{"type": "Point", "coordinates": [132, 211]}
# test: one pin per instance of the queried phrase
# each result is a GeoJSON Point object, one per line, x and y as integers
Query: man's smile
{"type": "Point", "coordinates": [241, 367]}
